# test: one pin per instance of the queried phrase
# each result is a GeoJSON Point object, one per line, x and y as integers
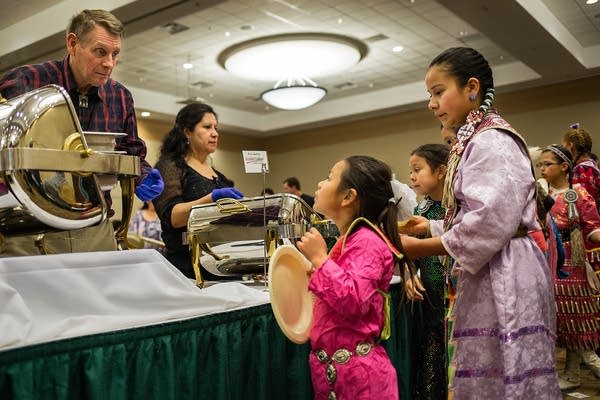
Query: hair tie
{"type": "Point", "coordinates": [488, 98]}
{"type": "Point", "coordinates": [574, 126]}
{"type": "Point", "coordinates": [394, 201]}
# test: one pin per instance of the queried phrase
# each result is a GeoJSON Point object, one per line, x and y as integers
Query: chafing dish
{"type": "Point", "coordinates": [238, 236]}
{"type": "Point", "coordinates": [51, 178]}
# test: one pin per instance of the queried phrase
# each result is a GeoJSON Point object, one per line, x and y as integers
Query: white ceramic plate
{"type": "Point", "coordinates": [291, 300]}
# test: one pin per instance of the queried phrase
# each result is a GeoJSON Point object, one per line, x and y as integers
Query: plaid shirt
{"type": "Point", "coordinates": [109, 107]}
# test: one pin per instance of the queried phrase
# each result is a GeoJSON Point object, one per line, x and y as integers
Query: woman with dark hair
{"type": "Point", "coordinates": [504, 313]}
{"type": "Point", "coordinates": [190, 179]}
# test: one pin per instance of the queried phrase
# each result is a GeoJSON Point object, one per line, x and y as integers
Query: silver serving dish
{"type": "Point", "coordinates": [51, 178]}
{"type": "Point", "coordinates": [217, 232]}
{"type": "Point", "coordinates": [103, 141]}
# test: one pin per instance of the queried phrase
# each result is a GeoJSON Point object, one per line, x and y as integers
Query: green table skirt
{"type": "Point", "coordinates": [235, 355]}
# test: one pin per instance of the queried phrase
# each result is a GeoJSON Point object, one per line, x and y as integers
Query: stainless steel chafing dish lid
{"type": "Point", "coordinates": [50, 172]}
{"type": "Point", "coordinates": [230, 220]}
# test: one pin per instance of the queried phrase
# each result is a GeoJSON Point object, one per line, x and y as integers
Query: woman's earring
{"type": "Point", "coordinates": [472, 96]}
{"type": "Point", "coordinates": [187, 140]}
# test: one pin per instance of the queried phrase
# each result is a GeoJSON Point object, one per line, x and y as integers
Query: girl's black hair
{"type": "Point", "coordinates": [371, 179]}
{"type": "Point", "coordinates": [175, 144]}
{"type": "Point", "coordinates": [434, 154]}
{"type": "Point", "coordinates": [464, 63]}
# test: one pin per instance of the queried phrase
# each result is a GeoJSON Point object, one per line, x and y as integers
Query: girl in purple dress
{"type": "Point", "coordinates": [350, 283]}
{"type": "Point", "coordinates": [504, 312]}
{"type": "Point", "coordinates": [146, 224]}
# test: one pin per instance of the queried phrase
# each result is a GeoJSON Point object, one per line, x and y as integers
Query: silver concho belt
{"type": "Point", "coordinates": [340, 356]}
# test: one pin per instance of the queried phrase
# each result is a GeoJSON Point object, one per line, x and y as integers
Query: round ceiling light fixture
{"type": "Point", "coordinates": [292, 55]}
{"type": "Point", "coordinates": [295, 58]}
{"type": "Point", "coordinates": [293, 97]}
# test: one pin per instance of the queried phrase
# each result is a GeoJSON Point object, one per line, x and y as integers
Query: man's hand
{"type": "Point", "coordinates": [151, 186]}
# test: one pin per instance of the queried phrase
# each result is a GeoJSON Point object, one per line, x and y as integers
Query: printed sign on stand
{"type": "Point", "coordinates": [255, 161]}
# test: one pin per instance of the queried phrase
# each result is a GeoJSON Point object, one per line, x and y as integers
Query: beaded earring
{"type": "Point", "coordinates": [472, 97]}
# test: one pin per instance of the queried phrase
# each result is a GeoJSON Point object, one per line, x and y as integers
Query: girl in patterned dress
{"type": "Point", "coordinates": [504, 314]}
{"type": "Point", "coordinates": [576, 217]}
{"type": "Point", "coordinates": [427, 173]}
{"type": "Point", "coordinates": [146, 224]}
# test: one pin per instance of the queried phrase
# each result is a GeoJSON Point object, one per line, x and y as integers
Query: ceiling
{"type": "Point", "coordinates": [528, 43]}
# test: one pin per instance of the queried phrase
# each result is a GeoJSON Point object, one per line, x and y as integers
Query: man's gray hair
{"type": "Point", "coordinates": [84, 22]}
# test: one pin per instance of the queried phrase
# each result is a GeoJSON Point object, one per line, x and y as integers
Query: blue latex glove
{"type": "Point", "coordinates": [151, 186]}
{"type": "Point", "coordinates": [226, 193]}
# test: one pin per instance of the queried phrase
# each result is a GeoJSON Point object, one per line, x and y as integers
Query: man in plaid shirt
{"type": "Point", "coordinates": [104, 105]}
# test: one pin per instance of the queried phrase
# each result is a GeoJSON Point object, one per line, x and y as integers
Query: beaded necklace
{"type": "Point", "coordinates": [463, 136]}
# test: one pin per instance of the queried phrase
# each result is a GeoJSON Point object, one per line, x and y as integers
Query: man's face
{"type": "Point", "coordinates": [93, 57]}
{"type": "Point", "coordinates": [288, 189]}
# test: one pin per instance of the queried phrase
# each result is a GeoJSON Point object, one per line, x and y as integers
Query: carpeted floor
{"type": "Point", "coordinates": [590, 385]}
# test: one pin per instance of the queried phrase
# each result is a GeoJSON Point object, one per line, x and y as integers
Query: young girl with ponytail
{"type": "Point", "coordinates": [577, 307]}
{"type": "Point", "coordinates": [504, 311]}
{"type": "Point", "coordinates": [350, 282]}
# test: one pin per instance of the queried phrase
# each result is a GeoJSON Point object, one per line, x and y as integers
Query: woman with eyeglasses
{"type": "Point", "coordinates": [577, 307]}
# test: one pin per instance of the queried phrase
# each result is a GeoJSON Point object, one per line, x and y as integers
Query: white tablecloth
{"type": "Point", "coordinates": [45, 298]}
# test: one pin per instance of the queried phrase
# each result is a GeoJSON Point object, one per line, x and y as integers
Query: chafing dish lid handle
{"type": "Point", "coordinates": [231, 206]}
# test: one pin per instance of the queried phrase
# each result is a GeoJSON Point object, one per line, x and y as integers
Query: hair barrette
{"type": "Point", "coordinates": [574, 126]}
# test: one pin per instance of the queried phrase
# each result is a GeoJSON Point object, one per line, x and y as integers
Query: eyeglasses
{"type": "Point", "coordinates": [546, 165]}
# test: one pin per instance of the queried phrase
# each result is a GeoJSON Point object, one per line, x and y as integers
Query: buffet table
{"type": "Point", "coordinates": [229, 354]}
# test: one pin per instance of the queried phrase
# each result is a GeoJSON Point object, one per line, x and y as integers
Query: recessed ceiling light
{"type": "Point", "coordinates": [227, 34]}
{"type": "Point", "coordinates": [397, 49]}
{"type": "Point", "coordinates": [188, 65]}
{"type": "Point", "coordinates": [175, 27]}
{"type": "Point", "coordinates": [145, 114]}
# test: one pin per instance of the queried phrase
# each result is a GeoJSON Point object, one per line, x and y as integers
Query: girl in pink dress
{"type": "Point", "coordinates": [350, 283]}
